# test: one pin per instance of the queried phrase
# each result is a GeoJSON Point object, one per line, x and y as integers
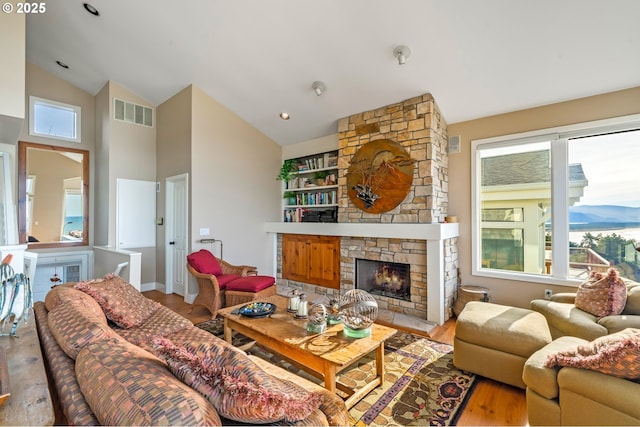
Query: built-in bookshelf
{"type": "Point", "coordinates": [312, 195]}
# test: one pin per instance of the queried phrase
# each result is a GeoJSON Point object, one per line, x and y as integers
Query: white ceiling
{"type": "Point", "coordinates": [260, 57]}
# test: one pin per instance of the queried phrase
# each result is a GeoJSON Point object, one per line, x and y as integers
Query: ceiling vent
{"type": "Point", "coordinates": [132, 113]}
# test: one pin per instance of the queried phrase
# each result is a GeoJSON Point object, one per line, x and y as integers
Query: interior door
{"type": "Point", "coordinates": [177, 209]}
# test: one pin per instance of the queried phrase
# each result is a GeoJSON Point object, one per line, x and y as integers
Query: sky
{"type": "Point", "coordinates": [610, 163]}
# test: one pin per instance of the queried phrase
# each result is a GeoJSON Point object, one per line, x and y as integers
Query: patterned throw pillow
{"type": "Point", "coordinates": [616, 354]}
{"type": "Point", "coordinates": [120, 301]}
{"type": "Point", "coordinates": [238, 388]}
{"type": "Point", "coordinates": [74, 327]}
{"type": "Point", "coordinates": [602, 295]}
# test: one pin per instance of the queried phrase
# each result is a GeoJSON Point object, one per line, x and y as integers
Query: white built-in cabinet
{"type": "Point", "coordinates": [68, 266]}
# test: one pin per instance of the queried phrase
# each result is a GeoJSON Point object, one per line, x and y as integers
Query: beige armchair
{"type": "Point", "coordinates": [565, 319]}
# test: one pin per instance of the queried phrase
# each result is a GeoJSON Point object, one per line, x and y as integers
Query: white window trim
{"type": "Point", "coordinates": [560, 214]}
{"type": "Point", "coordinates": [33, 100]}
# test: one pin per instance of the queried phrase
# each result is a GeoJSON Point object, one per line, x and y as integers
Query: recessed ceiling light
{"type": "Point", "coordinates": [62, 64]}
{"type": "Point", "coordinates": [92, 10]}
{"type": "Point", "coordinates": [284, 115]}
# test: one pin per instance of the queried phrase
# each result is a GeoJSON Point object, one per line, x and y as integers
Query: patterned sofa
{"type": "Point", "coordinates": [105, 346]}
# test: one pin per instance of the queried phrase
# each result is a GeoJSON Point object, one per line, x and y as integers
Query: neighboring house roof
{"type": "Point", "coordinates": [523, 168]}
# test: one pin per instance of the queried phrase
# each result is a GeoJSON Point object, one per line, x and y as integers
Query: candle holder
{"type": "Point", "coordinates": [294, 300]}
{"type": "Point", "coordinates": [303, 308]}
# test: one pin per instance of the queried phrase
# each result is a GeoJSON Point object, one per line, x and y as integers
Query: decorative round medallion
{"type": "Point", "coordinates": [379, 176]}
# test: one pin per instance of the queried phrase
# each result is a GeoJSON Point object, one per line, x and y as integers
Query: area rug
{"type": "Point", "coordinates": [422, 387]}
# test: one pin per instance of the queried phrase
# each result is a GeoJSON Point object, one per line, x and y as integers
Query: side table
{"type": "Point", "coordinates": [30, 401]}
{"type": "Point", "coordinates": [470, 293]}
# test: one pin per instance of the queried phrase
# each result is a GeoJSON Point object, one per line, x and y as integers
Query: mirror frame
{"type": "Point", "coordinates": [22, 195]}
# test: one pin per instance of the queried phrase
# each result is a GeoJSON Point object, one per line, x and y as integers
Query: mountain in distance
{"type": "Point", "coordinates": [604, 214]}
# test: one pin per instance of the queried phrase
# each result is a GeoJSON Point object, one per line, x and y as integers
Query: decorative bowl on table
{"type": "Point", "coordinates": [257, 309]}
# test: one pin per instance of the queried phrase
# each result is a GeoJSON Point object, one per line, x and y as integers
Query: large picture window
{"type": "Point", "coordinates": [554, 205]}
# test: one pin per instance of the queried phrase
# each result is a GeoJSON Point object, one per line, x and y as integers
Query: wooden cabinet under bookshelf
{"type": "Point", "coordinates": [312, 195]}
{"type": "Point", "coordinates": [311, 259]}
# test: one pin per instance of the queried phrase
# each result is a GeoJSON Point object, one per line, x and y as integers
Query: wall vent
{"type": "Point", "coordinates": [132, 113]}
{"type": "Point", "coordinates": [454, 144]}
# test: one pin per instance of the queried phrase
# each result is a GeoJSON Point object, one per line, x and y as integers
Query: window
{"type": "Point", "coordinates": [53, 119]}
{"type": "Point", "coordinates": [554, 205]}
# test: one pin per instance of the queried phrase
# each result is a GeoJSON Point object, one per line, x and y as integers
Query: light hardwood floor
{"type": "Point", "coordinates": [491, 404]}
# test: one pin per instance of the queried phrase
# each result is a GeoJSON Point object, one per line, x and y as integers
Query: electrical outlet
{"type": "Point", "coordinates": [547, 293]}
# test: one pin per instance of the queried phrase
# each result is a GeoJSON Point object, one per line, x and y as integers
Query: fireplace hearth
{"type": "Point", "coordinates": [388, 279]}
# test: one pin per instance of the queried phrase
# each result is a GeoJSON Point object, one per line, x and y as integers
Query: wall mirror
{"type": "Point", "coordinates": [53, 196]}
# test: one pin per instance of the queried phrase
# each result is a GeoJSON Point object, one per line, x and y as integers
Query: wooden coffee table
{"type": "Point", "coordinates": [322, 355]}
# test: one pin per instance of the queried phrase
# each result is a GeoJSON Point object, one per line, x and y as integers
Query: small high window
{"type": "Point", "coordinates": [52, 119]}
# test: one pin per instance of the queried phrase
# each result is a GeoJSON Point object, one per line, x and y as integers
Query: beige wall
{"type": "Point", "coordinates": [125, 151]}
{"type": "Point", "coordinates": [312, 146]}
{"type": "Point", "coordinates": [100, 196]}
{"type": "Point", "coordinates": [233, 185]}
{"type": "Point", "coordinates": [12, 74]}
{"type": "Point", "coordinates": [598, 107]}
{"type": "Point", "coordinates": [173, 156]}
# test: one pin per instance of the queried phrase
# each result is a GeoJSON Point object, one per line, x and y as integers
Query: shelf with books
{"type": "Point", "coordinates": [312, 198]}
{"type": "Point", "coordinates": [312, 193]}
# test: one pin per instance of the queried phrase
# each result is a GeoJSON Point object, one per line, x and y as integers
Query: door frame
{"type": "Point", "coordinates": [169, 231]}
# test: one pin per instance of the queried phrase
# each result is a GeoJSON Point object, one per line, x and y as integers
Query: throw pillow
{"type": "Point", "coordinates": [74, 327]}
{"type": "Point", "coordinates": [602, 295]}
{"type": "Point", "coordinates": [204, 262]}
{"type": "Point", "coordinates": [616, 354]}
{"type": "Point", "coordinates": [120, 301]}
{"type": "Point", "coordinates": [59, 295]}
{"type": "Point", "coordinates": [238, 388]}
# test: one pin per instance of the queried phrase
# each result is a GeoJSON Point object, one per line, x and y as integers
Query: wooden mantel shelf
{"type": "Point", "coordinates": [393, 231]}
{"type": "Point", "coordinates": [434, 236]}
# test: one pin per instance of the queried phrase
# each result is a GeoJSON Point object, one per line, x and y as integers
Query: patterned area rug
{"type": "Point", "coordinates": [422, 387]}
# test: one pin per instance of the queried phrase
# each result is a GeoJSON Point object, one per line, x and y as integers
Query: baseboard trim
{"type": "Point", "coordinates": [152, 286]}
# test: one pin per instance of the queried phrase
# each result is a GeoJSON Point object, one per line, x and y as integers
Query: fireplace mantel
{"type": "Point", "coordinates": [392, 231]}
{"type": "Point", "coordinates": [434, 236]}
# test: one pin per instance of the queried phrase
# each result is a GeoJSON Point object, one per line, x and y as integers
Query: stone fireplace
{"type": "Point", "coordinates": [411, 233]}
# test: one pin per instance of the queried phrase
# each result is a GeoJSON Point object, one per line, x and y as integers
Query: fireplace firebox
{"type": "Point", "coordinates": [389, 279]}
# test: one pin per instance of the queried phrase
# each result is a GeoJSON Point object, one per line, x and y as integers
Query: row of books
{"type": "Point", "coordinates": [327, 160]}
{"type": "Point", "coordinates": [317, 198]}
{"type": "Point", "coordinates": [308, 215]}
{"type": "Point", "coordinates": [302, 182]}
{"type": "Point", "coordinates": [293, 215]}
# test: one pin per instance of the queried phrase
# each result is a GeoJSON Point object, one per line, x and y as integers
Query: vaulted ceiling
{"type": "Point", "coordinates": [260, 57]}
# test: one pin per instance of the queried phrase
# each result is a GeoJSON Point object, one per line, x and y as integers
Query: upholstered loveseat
{"type": "Point", "coordinates": [106, 352]}
{"type": "Point", "coordinates": [572, 395]}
